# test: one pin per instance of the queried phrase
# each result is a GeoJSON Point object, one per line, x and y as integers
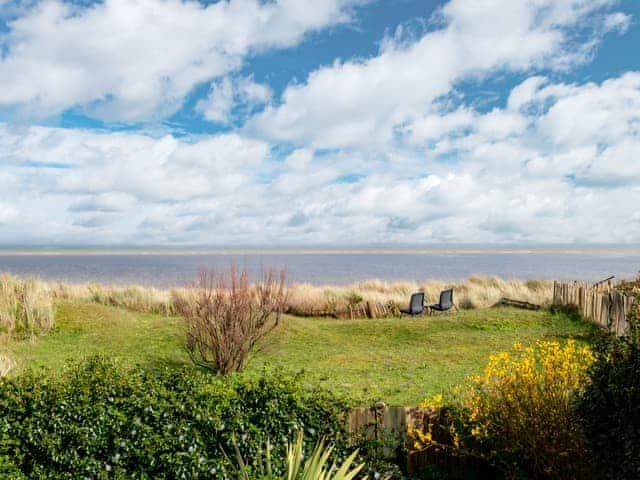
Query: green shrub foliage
{"type": "Point", "coordinates": [610, 409]}
{"type": "Point", "coordinates": [99, 420]}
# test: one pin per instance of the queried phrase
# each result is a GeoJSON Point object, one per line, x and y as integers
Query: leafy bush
{"type": "Point", "coordinates": [519, 414]}
{"type": "Point", "coordinates": [100, 420]}
{"type": "Point", "coordinates": [610, 408]}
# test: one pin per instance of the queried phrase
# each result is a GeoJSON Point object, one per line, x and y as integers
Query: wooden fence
{"type": "Point", "coordinates": [391, 427]}
{"type": "Point", "coordinates": [602, 305]}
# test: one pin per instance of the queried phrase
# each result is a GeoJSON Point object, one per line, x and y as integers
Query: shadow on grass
{"type": "Point", "coordinates": [166, 362]}
{"type": "Point", "coordinates": [588, 337]}
{"type": "Point", "coordinates": [568, 311]}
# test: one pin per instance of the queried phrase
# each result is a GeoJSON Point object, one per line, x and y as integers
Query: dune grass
{"type": "Point", "coordinates": [6, 364]}
{"type": "Point", "coordinates": [398, 360]}
{"type": "Point", "coordinates": [305, 299]}
{"type": "Point", "coordinates": [474, 292]}
{"type": "Point", "coordinates": [26, 306]}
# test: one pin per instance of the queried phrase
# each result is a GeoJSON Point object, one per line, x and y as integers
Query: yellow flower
{"type": "Point", "coordinates": [435, 402]}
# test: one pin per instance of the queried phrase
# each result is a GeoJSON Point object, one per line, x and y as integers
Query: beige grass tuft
{"type": "Point", "coordinates": [26, 306]}
{"type": "Point", "coordinates": [6, 365]}
{"type": "Point", "coordinates": [303, 299]}
{"type": "Point", "coordinates": [475, 292]}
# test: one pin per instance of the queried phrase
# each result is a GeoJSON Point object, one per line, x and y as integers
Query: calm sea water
{"type": "Point", "coordinates": [168, 270]}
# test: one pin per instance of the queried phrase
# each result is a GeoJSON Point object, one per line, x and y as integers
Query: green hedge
{"type": "Point", "coordinates": [99, 420]}
{"type": "Point", "coordinates": [610, 408]}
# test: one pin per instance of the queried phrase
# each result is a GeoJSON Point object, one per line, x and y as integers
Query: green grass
{"type": "Point", "coordinates": [398, 360]}
{"type": "Point", "coordinates": [84, 329]}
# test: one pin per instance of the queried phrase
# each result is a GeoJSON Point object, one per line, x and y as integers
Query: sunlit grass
{"type": "Point", "coordinates": [398, 360]}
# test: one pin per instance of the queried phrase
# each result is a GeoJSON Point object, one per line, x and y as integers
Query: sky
{"type": "Point", "coordinates": [330, 123]}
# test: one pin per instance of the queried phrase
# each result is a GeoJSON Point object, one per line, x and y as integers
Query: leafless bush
{"type": "Point", "coordinates": [226, 316]}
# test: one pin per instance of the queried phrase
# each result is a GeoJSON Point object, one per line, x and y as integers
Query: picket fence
{"type": "Point", "coordinates": [601, 304]}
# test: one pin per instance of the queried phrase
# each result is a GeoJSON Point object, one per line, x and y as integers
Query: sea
{"type": "Point", "coordinates": [167, 269]}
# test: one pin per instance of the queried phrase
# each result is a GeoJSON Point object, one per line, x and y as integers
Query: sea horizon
{"type": "Point", "coordinates": [174, 267]}
{"type": "Point", "coordinates": [324, 250]}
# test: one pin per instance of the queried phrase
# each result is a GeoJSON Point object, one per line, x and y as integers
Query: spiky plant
{"type": "Point", "coordinates": [317, 467]}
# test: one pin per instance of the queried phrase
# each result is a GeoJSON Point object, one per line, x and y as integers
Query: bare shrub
{"type": "Point", "coordinates": [226, 316]}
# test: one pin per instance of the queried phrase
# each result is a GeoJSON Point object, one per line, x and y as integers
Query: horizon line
{"type": "Point", "coordinates": [287, 250]}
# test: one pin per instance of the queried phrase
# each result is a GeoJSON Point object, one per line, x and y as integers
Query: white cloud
{"type": "Point", "coordinates": [66, 179]}
{"type": "Point", "coordinates": [524, 174]}
{"type": "Point", "coordinates": [592, 113]}
{"type": "Point", "coordinates": [228, 93]}
{"type": "Point", "coordinates": [618, 21]}
{"type": "Point", "coordinates": [360, 102]}
{"type": "Point", "coordinates": [525, 93]}
{"type": "Point", "coordinates": [110, 202]}
{"type": "Point", "coordinates": [124, 60]}
{"type": "Point", "coordinates": [382, 154]}
{"type": "Point", "coordinates": [7, 213]}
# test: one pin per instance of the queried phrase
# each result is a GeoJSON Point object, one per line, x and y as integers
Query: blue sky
{"type": "Point", "coordinates": [332, 123]}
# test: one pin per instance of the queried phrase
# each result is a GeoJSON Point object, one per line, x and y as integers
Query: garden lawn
{"type": "Point", "coordinates": [398, 360]}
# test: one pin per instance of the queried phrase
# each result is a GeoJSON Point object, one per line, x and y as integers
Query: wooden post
{"type": "Point", "coordinates": [372, 310]}
{"type": "Point", "coordinates": [602, 305]}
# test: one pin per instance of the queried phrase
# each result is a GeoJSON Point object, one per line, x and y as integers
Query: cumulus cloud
{"type": "Point", "coordinates": [618, 21]}
{"type": "Point", "coordinates": [7, 213]}
{"type": "Point", "coordinates": [363, 102]}
{"type": "Point", "coordinates": [225, 95]}
{"type": "Point", "coordinates": [378, 150]}
{"type": "Point", "coordinates": [523, 173]}
{"type": "Point", "coordinates": [104, 202]}
{"type": "Point", "coordinates": [136, 60]}
{"type": "Point", "coordinates": [68, 179]}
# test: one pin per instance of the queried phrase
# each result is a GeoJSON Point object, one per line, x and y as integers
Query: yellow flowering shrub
{"type": "Point", "coordinates": [518, 414]}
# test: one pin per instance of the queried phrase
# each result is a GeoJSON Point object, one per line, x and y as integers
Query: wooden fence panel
{"type": "Point", "coordinates": [602, 305]}
{"type": "Point", "coordinates": [390, 425]}
{"type": "Point", "coordinates": [395, 424]}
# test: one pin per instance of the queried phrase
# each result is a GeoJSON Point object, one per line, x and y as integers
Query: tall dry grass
{"type": "Point", "coordinates": [474, 292]}
{"type": "Point", "coordinates": [26, 306]}
{"type": "Point", "coordinates": [133, 297]}
{"type": "Point", "coordinates": [310, 300]}
{"type": "Point", "coordinates": [6, 365]}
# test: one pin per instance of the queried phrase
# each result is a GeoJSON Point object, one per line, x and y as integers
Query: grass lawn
{"type": "Point", "coordinates": [399, 360]}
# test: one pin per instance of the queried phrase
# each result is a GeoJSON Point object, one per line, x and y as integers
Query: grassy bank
{"type": "Point", "coordinates": [399, 360]}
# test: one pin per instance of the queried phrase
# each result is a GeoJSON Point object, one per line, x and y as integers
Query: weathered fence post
{"type": "Point", "coordinates": [605, 307]}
